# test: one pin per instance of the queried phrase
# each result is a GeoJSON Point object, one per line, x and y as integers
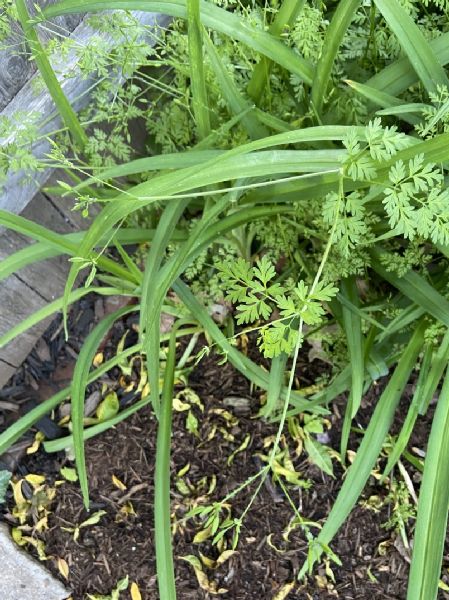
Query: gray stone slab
{"type": "Point", "coordinates": [22, 576]}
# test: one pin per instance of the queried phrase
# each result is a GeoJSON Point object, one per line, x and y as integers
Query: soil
{"type": "Point", "coordinates": [374, 559]}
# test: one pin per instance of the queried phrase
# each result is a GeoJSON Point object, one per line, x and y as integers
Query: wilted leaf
{"type": "Point", "coordinates": [209, 563]}
{"type": "Point", "coordinates": [23, 540]}
{"type": "Point", "coordinates": [118, 484]}
{"type": "Point", "coordinates": [179, 405]}
{"type": "Point", "coordinates": [192, 424]}
{"type": "Point", "coordinates": [135, 592]}
{"type": "Point", "coordinates": [69, 473]}
{"type": "Point", "coordinates": [63, 568]}
{"type": "Point", "coordinates": [318, 455]}
{"type": "Point", "coordinates": [289, 474]}
{"type": "Point", "coordinates": [284, 591]}
{"type": "Point", "coordinates": [94, 519]}
{"type": "Point", "coordinates": [202, 535]}
{"type": "Point", "coordinates": [224, 556]}
{"type": "Point", "coordinates": [108, 408]}
{"type": "Point", "coordinates": [242, 447]}
{"type": "Point", "coordinates": [183, 471]}
{"type": "Point", "coordinates": [98, 359]}
{"type": "Point", "coordinates": [35, 480]}
{"type": "Point", "coordinates": [191, 397]}
{"type": "Point", "coordinates": [42, 524]}
{"type": "Point", "coordinates": [38, 439]}
{"type": "Point", "coordinates": [203, 581]}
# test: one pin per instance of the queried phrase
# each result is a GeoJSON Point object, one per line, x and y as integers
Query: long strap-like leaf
{"type": "Point", "coordinates": [421, 56]}
{"type": "Point", "coordinates": [433, 506]}
{"type": "Point", "coordinates": [162, 511]}
{"type": "Point", "coordinates": [80, 378]}
{"type": "Point", "coordinates": [371, 445]}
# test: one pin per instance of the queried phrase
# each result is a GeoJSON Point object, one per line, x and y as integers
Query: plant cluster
{"type": "Point", "coordinates": [295, 172]}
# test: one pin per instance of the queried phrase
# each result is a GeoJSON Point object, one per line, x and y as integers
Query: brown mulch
{"type": "Point", "coordinates": [374, 564]}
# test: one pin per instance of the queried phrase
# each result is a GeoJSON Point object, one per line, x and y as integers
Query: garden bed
{"type": "Point", "coordinates": [374, 560]}
{"type": "Point", "coordinates": [273, 274]}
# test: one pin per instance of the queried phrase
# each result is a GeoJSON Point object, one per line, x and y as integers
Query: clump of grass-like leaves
{"type": "Point", "coordinates": [274, 182]}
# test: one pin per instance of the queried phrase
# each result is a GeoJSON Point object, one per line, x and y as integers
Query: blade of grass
{"type": "Point", "coordinates": [408, 315]}
{"type": "Point", "coordinates": [416, 288]}
{"type": "Point", "coordinates": [54, 307]}
{"type": "Point", "coordinates": [80, 377]}
{"type": "Point", "coordinates": [381, 98]}
{"type": "Point", "coordinates": [198, 84]}
{"type": "Point", "coordinates": [150, 313]}
{"type": "Point", "coordinates": [236, 102]}
{"type": "Point", "coordinates": [420, 53]}
{"type": "Point", "coordinates": [161, 162]}
{"type": "Point", "coordinates": [433, 506]}
{"type": "Point", "coordinates": [343, 15]}
{"type": "Point", "coordinates": [275, 385]}
{"type": "Point", "coordinates": [400, 75]}
{"type": "Point", "coordinates": [285, 17]}
{"type": "Point", "coordinates": [162, 507]}
{"type": "Point", "coordinates": [370, 447]}
{"type": "Point", "coordinates": [22, 425]}
{"type": "Point", "coordinates": [59, 242]}
{"type": "Point", "coordinates": [67, 113]}
{"type": "Point", "coordinates": [41, 250]}
{"type": "Point", "coordinates": [430, 374]}
{"type": "Point", "coordinates": [352, 325]}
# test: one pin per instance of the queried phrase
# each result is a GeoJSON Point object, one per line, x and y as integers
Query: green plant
{"type": "Point", "coordinates": [267, 146]}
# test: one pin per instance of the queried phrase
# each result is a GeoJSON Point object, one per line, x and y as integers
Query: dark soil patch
{"type": "Point", "coordinates": [374, 562]}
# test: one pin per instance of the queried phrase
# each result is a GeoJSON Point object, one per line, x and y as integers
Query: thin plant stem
{"type": "Point", "coordinates": [162, 511]}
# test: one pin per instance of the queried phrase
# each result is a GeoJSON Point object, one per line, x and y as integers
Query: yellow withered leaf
{"type": "Point", "coordinates": [203, 580]}
{"type": "Point", "coordinates": [19, 498]}
{"type": "Point", "coordinates": [42, 524]}
{"type": "Point", "coordinates": [98, 359]}
{"type": "Point", "coordinates": [202, 535]}
{"type": "Point", "coordinates": [284, 591]}
{"type": "Point", "coordinates": [63, 568]}
{"type": "Point", "coordinates": [191, 397]}
{"type": "Point", "coordinates": [179, 405]}
{"type": "Point", "coordinates": [242, 447]}
{"type": "Point", "coordinates": [224, 556]}
{"type": "Point", "coordinates": [183, 471]}
{"type": "Point", "coordinates": [209, 563]}
{"type": "Point", "coordinates": [118, 484]}
{"type": "Point", "coordinates": [135, 592]}
{"type": "Point", "coordinates": [143, 377]}
{"type": "Point", "coordinates": [38, 439]}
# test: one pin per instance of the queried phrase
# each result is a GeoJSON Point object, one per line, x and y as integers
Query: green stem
{"type": "Point", "coordinates": [162, 512]}
{"type": "Point", "coordinates": [287, 15]}
{"type": "Point", "coordinates": [67, 113]}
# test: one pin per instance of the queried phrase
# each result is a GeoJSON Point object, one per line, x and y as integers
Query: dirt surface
{"type": "Point", "coordinates": [121, 468]}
